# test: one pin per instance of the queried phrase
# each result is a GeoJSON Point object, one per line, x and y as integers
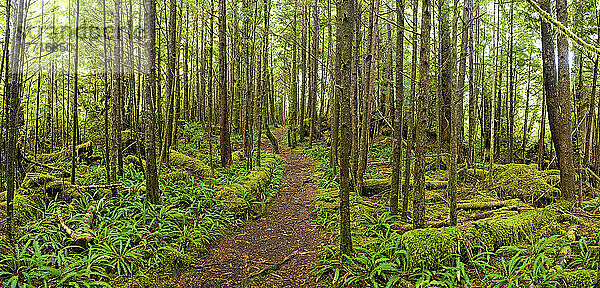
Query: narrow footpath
{"type": "Point", "coordinates": [277, 250]}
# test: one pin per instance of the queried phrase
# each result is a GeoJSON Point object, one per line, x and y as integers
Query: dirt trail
{"type": "Point", "coordinates": [285, 231]}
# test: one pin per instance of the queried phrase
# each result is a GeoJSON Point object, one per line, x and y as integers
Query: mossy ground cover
{"type": "Point", "coordinates": [518, 244]}
{"type": "Point", "coordinates": [131, 242]}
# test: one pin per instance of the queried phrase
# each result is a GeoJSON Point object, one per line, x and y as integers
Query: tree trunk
{"type": "Point", "coordinates": [117, 164]}
{"type": "Point", "coordinates": [559, 110]}
{"type": "Point", "coordinates": [14, 85]}
{"type": "Point", "coordinates": [75, 95]}
{"type": "Point", "coordinates": [419, 197]}
{"type": "Point", "coordinates": [345, 11]}
{"type": "Point", "coordinates": [367, 101]}
{"type": "Point", "coordinates": [153, 192]}
{"type": "Point", "coordinates": [411, 118]}
{"type": "Point", "coordinates": [225, 138]}
{"type": "Point", "coordinates": [397, 110]}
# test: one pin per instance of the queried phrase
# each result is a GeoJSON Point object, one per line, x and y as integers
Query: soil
{"type": "Point", "coordinates": [277, 250]}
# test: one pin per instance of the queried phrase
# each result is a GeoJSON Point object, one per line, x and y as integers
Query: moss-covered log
{"type": "Point", "coordinates": [487, 205]}
{"type": "Point", "coordinates": [430, 247]}
{"type": "Point", "coordinates": [248, 198]}
{"type": "Point", "coordinates": [579, 279]}
{"type": "Point", "coordinates": [193, 165]}
{"type": "Point", "coordinates": [83, 151]}
{"type": "Point", "coordinates": [375, 186]}
{"type": "Point", "coordinates": [524, 182]}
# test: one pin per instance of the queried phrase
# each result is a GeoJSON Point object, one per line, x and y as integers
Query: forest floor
{"type": "Point", "coordinates": [277, 250]}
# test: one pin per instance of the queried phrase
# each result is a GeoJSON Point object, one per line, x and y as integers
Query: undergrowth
{"type": "Point", "coordinates": [130, 242]}
{"type": "Point", "coordinates": [382, 259]}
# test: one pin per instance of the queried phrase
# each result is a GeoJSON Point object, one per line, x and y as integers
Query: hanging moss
{"type": "Point", "coordinates": [195, 166]}
{"type": "Point", "coordinates": [579, 279]}
{"type": "Point", "coordinates": [430, 247]}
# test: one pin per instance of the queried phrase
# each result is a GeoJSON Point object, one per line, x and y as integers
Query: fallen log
{"type": "Point", "coordinates": [484, 205]}
{"type": "Point", "coordinates": [375, 186]}
{"type": "Point", "coordinates": [77, 237]}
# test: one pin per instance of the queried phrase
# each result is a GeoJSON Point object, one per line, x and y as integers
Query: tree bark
{"type": "Point", "coordinates": [225, 138]}
{"type": "Point", "coordinates": [419, 197]}
{"type": "Point", "coordinates": [397, 110]}
{"type": "Point", "coordinates": [559, 111]}
{"type": "Point", "coordinates": [153, 192]}
{"type": "Point", "coordinates": [345, 24]}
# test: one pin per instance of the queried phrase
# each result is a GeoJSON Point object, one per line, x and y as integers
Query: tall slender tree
{"type": "Point", "coordinates": [149, 95]}
{"type": "Point", "coordinates": [224, 120]}
{"type": "Point", "coordinates": [419, 192]}
{"type": "Point", "coordinates": [345, 24]}
{"type": "Point", "coordinates": [397, 112]}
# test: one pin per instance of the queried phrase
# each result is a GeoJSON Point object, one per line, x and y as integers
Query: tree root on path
{"type": "Point", "coordinates": [276, 266]}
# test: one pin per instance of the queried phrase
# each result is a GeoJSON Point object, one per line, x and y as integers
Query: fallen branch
{"type": "Point", "coordinates": [482, 205]}
{"type": "Point", "coordinates": [46, 166]}
{"type": "Point", "coordinates": [276, 266]}
{"type": "Point", "coordinates": [107, 186]}
{"type": "Point", "coordinates": [73, 234]}
{"type": "Point", "coordinates": [491, 213]}
{"type": "Point", "coordinates": [566, 250]}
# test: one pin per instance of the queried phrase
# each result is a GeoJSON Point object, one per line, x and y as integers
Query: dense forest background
{"type": "Point", "coordinates": [456, 143]}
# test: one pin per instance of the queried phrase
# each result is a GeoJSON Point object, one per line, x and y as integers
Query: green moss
{"type": "Point", "coordinates": [191, 164]}
{"type": "Point", "coordinates": [230, 197]}
{"type": "Point", "coordinates": [471, 175]}
{"type": "Point", "coordinates": [238, 156]}
{"type": "Point", "coordinates": [522, 181]}
{"type": "Point", "coordinates": [131, 159]}
{"type": "Point", "coordinates": [579, 279]}
{"type": "Point", "coordinates": [430, 246]}
{"type": "Point", "coordinates": [247, 197]}
{"type": "Point", "coordinates": [177, 176]}
{"type": "Point", "coordinates": [35, 180]}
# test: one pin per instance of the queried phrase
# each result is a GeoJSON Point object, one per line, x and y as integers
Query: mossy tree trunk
{"type": "Point", "coordinates": [13, 90]}
{"type": "Point", "coordinates": [397, 110]}
{"type": "Point", "coordinates": [419, 190]}
{"type": "Point", "coordinates": [345, 25]}
{"type": "Point", "coordinates": [149, 94]}
{"type": "Point", "coordinates": [559, 110]}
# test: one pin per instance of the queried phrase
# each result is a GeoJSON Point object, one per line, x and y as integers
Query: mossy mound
{"type": "Point", "coordinates": [430, 247]}
{"type": "Point", "coordinates": [83, 151]}
{"type": "Point", "coordinates": [195, 166]}
{"type": "Point", "coordinates": [471, 175]}
{"type": "Point", "coordinates": [237, 156]}
{"type": "Point", "coordinates": [131, 159]}
{"type": "Point", "coordinates": [579, 279]}
{"type": "Point", "coordinates": [35, 180]}
{"type": "Point", "coordinates": [522, 181]}
{"type": "Point", "coordinates": [248, 198]}
{"type": "Point", "coordinates": [49, 186]}
{"type": "Point", "coordinates": [177, 176]}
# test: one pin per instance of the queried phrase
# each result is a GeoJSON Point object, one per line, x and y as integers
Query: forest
{"type": "Point", "coordinates": [300, 143]}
